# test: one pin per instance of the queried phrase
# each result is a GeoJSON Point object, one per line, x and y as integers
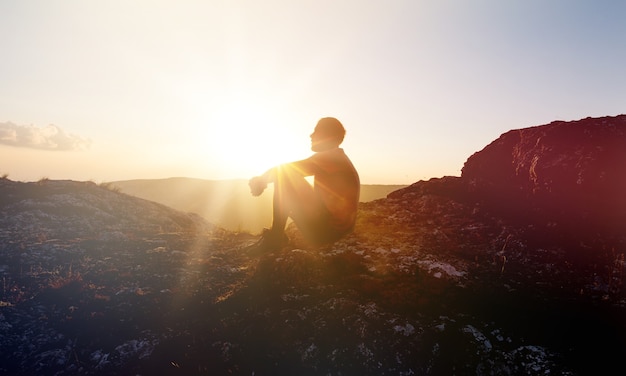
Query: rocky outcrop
{"type": "Point", "coordinates": [566, 176]}
{"type": "Point", "coordinates": [570, 172]}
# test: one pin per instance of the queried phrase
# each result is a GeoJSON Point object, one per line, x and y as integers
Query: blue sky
{"type": "Point", "coordinates": [118, 90]}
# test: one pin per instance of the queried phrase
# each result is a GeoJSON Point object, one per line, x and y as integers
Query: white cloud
{"type": "Point", "coordinates": [50, 137]}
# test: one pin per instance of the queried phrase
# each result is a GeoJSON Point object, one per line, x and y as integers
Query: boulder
{"type": "Point", "coordinates": [567, 172]}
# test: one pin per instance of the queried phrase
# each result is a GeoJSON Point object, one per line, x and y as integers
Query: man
{"type": "Point", "coordinates": [323, 212]}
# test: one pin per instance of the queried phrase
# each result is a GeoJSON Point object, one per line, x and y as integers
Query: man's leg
{"type": "Point", "coordinates": [293, 196]}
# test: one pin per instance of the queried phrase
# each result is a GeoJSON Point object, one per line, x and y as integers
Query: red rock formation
{"type": "Point", "coordinates": [573, 171]}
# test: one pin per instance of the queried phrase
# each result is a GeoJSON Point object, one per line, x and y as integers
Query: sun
{"type": "Point", "coordinates": [246, 137]}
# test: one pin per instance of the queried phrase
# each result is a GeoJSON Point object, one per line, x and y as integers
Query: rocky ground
{"type": "Point", "coordinates": [95, 282]}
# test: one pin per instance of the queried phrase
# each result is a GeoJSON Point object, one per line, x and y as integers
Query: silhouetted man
{"type": "Point", "coordinates": [323, 212]}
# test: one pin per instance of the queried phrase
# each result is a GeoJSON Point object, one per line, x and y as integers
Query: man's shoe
{"type": "Point", "coordinates": [269, 241]}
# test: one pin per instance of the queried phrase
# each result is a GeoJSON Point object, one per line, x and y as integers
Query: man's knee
{"type": "Point", "coordinates": [290, 179]}
{"type": "Point", "coordinates": [296, 192]}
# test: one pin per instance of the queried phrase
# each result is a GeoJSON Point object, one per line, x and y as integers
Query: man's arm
{"type": "Point", "coordinates": [258, 184]}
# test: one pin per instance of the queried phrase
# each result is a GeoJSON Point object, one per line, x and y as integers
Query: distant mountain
{"type": "Point", "coordinates": [226, 203]}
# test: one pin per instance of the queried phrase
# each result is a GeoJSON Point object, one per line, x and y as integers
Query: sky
{"type": "Point", "coordinates": [117, 89]}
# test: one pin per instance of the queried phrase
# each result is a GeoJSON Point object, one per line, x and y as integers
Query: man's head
{"type": "Point", "coordinates": [328, 134]}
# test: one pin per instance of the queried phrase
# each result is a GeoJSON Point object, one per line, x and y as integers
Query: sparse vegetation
{"type": "Point", "coordinates": [110, 186]}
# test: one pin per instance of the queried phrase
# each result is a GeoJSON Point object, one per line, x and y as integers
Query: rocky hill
{"type": "Point", "coordinates": [568, 172]}
{"type": "Point", "coordinates": [443, 277]}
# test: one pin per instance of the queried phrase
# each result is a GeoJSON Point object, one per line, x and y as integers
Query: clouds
{"type": "Point", "coordinates": [50, 137]}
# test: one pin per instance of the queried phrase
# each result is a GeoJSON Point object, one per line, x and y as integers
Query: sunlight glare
{"type": "Point", "coordinates": [247, 137]}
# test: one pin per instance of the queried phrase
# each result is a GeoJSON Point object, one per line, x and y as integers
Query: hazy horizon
{"type": "Point", "coordinates": [45, 177]}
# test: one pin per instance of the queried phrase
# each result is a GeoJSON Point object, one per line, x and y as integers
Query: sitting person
{"type": "Point", "coordinates": [323, 212]}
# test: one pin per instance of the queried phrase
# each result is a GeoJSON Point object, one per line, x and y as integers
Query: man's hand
{"type": "Point", "coordinates": [257, 185]}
